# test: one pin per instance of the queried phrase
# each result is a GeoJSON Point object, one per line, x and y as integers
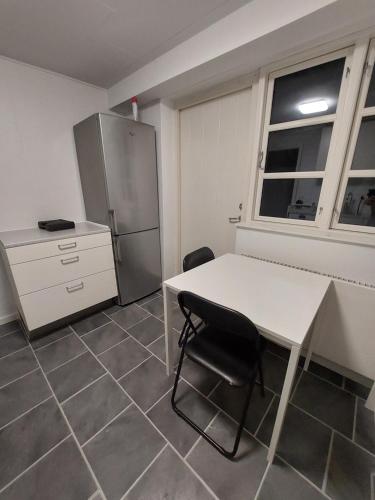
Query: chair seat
{"type": "Point", "coordinates": [231, 357]}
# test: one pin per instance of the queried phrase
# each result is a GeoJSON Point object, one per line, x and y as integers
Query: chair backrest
{"type": "Point", "coordinates": [197, 258]}
{"type": "Point", "coordinates": [219, 317]}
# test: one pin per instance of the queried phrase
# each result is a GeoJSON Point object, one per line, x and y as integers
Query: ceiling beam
{"type": "Point", "coordinates": [252, 36]}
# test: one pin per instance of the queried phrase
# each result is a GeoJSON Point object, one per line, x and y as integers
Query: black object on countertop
{"type": "Point", "coordinates": [56, 225]}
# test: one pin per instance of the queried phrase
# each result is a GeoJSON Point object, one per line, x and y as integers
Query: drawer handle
{"type": "Point", "coordinates": [74, 288]}
{"type": "Point", "coordinates": [71, 260]}
{"type": "Point", "coordinates": [66, 246]}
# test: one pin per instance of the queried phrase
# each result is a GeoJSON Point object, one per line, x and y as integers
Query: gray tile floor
{"type": "Point", "coordinates": [85, 414]}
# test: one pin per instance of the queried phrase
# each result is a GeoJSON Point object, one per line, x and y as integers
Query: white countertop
{"type": "Point", "coordinates": [33, 235]}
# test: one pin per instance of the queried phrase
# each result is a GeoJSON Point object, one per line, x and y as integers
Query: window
{"type": "Point", "coordinates": [356, 201]}
{"type": "Point", "coordinates": [303, 105]}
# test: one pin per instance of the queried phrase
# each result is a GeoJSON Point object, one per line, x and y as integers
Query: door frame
{"type": "Point", "coordinates": [243, 82]}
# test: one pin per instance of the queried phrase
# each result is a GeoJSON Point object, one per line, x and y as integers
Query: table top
{"type": "Point", "coordinates": [33, 235]}
{"type": "Point", "coordinates": [281, 301]}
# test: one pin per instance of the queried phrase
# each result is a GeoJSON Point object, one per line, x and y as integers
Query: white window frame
{"type": "Point", "coordinates": [361, 112]}
{"type": "Point", "coordinates": [331, 164]}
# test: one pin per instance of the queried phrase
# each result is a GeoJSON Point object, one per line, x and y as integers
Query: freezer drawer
{"type": "Point", "coordinates": [138, 264]}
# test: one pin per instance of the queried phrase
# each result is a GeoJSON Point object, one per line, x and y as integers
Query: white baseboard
{"type": "Point", "coordinates": [8, 317]}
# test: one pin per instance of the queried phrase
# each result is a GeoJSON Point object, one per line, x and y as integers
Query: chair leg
{"type": "Point", "coordinates": [223, 451]}
{"type": "Point", "coordinates": [261, 379]}
{"type": "Point", "coordinates": [177, 377]}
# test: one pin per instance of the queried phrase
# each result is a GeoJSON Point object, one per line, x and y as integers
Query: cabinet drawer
{"type": "Point", "coordinates": [50, 304]}
{"type": "Point", "coordinates": [37, 274]}
{"type": "Point", "coordinates": [36, 251]}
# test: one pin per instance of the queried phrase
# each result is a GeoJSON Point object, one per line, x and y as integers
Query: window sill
{"type": "Point", "coordinates": [348, 237]}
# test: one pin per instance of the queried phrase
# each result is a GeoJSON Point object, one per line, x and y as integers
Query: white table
{"type": "Point", "coordinates": [281, 301]}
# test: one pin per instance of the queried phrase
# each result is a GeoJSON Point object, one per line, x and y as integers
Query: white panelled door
{"type": "Point", "coordinates": [215, 147]}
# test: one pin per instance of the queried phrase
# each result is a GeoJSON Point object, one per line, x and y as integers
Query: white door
{"type": "Point", "coordinates": [215, 168]}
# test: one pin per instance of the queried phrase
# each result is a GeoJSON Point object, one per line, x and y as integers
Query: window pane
{"type": "Point", "coordinates": [299, 149]}
{"type": "Point", "coordinates": [364, 155]}
{"type": "Point", "coordinates": [290, 198]}
{"type": "Point", "coordinates": [370, 101]}
{"type": "Point", "coordinates": [319, 84]}
{"type": "Point", "coordinates": [359, 202]}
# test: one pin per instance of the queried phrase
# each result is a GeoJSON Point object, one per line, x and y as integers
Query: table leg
{"type": "Point", "coordinates": [170, 338]}
{"type": "Point", "coordinates": [316, 329]}
{"type": "Point", "coordinates": [287, 388]}
{"type": "Point", "coordinates": [312, 340]}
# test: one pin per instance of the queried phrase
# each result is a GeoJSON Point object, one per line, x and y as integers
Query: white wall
{"type": "Point", "coordinates": [165, 121]}
{"type": "Point", "coordinates": [39, 176]}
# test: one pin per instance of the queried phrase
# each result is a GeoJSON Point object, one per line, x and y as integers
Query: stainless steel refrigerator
{"type": "Point", "coordinates": [117, 164]}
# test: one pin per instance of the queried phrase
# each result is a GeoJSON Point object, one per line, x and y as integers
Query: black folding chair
{"type": "Point", "coordinates": [229, 345]}
{"type": "Point", "coordinates": [192, 260]}
{"type": "Point", "coordinates": [197, 258]}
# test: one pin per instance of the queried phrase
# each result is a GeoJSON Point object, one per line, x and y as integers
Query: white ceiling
{"type": "Point", "coordinates": [101, 41]}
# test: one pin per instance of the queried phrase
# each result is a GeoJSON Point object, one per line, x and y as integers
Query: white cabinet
{"type": "Point", "coordinates": [57, 274]}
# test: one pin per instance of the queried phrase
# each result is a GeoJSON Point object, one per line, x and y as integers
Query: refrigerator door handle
{"type": "Point", "coordinates": [112, 214]}
{"type": "Point", "coordinates": [117, 250]}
